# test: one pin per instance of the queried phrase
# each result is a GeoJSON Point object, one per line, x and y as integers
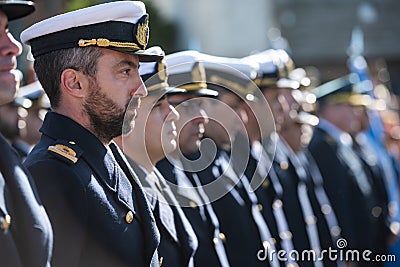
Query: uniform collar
{"type": "Point", "coordinates": [64, 129]}
{"type": "Point", "coordinates": [58, 126]}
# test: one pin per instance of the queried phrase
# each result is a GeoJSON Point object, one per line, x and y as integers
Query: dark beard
{"type": "Point", "coordinates": [106, 117]}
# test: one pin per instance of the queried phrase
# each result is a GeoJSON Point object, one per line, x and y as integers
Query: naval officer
{"type": "Point", "coordinates": [87, 62]}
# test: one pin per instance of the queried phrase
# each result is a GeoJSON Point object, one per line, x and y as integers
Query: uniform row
{"type": "Point", "coordinates": [191, 159]}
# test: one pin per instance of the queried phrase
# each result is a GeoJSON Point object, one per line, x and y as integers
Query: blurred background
{"type": "Point", "coordinates": [320, 35]}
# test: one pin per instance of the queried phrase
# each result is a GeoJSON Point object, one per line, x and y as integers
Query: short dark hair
{"type": "Point", "coordinates": [48, 68]}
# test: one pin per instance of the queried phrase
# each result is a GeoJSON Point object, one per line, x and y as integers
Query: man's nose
{"type": "Point", "coordinates": [9, 46]}
{"type": "Point", "coordinates": [141, 90]}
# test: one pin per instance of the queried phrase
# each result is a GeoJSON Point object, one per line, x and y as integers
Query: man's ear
{"type": "Point", "coordinates": [73, 82]}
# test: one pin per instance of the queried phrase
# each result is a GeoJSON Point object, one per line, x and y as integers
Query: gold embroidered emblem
{"type": "Point", "coordinates": [142, 33]}
{"type": "Point", "coordinates": [229, 85]}
{"type": "Point", "coordinates": [198, 72]}
{"type": "Point", "coordinates": [198, 78]}
{"type": "Point", "coordinates": [103, 42]}
{"type": "Point", "coordinates": [162, 70]}
{"type": "Point", "coordinates": [64, 151]}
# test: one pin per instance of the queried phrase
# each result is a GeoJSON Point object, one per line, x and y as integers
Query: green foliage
{"type": "Point", "coordinates": [72, 5]}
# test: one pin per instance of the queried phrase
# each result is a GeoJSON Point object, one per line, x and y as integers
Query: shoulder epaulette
{"type": "Point", "coordinates": [66, 151]}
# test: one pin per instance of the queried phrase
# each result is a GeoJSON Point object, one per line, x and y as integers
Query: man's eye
{"type": "Point", "coordinates": [126, 71]}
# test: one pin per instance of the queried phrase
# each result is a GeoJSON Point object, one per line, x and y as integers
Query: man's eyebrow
{"type": "Point", "coordinates": [127, 63]}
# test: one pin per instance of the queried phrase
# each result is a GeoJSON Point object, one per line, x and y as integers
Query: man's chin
{"type": "Point", "coordinates": [7, 95]}
{"type": "Point", "coordinates": [169, 146]}
{"type": "Point", "coordinates": [128, 127]}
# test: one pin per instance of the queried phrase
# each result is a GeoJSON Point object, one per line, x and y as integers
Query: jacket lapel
{"type": "Point", "coordinates": [109, 173]}
{"type": "Point", "coordinates": [150, 231]}
{"type": "Point", "coordinates": [166, 216]}
{"type": "Point", "coordinates": [159, 205]}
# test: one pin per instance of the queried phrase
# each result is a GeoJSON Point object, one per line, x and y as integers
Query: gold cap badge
{"type": "Point", "coordinates": [142, 31]}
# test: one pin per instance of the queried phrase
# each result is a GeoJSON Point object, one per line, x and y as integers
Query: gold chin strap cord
{"type": "Point", "coordinates": [102, 42]}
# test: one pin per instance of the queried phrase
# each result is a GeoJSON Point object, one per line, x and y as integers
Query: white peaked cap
{"type": "Point", "coordinates": [147, 68]}
{"type": "Point", "coordinates": [121, 26]}
{"type": "Point", "coordinates": [185, 70]}
{"type": "Point", "coordinates": [266, 60]}
{"type": "Point", "coordinates": [126, 11]}
{"type": "Point", "coordinates": [182, 62]}
{"type": "Point", "coordinates": [233, 66]}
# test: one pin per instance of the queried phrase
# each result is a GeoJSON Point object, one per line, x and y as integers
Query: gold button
{"type": "Point", "coordinates": [336, 230]}
{"type": "Point", "coordinates": [192, 205]}
{"type": "Point", "coordinates": [277, 204]}
{"type": "Point", "coordinates": [284, 165]}
{"type": "Point", "coordinates": [72, 142]}
{"type": "Point", "coordinates": [265, 184]}
{"type": "Point", "coordinates": [395, 228]}
{"type": "Point", "coordinates": [326, 209]}
{"type": "Point", "coordinates": [311, 220]}
{"type": "Point", "coordinates": [266, 245]}
{"type": "Point", "coordinates": [260, 207]}
{"type": "Point", "coordinates": [160, 261]}
{"type": "Point", "coordinates": [5, 222]}
{"type": "Point", "coordinates": [376, 211]}
{"type": "Point", "coordinates": [392, 209]}
{"type": "Point", "coordinates": [285, 235]}
{"type": "Point", "coordinates": [129, 217]}
{"type": "Point", "coordinates": [222, 237]}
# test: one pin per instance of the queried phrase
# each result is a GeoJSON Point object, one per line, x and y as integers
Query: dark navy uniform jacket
{"type": "Point", "coordinates": [25, 232]}
{"type": "Point", "coordinates": [265, 192]}
{"type": "Point", "coordinates": [178, 241]}
{"type": "Point", "coordinates": [353, 206]}
{"type": "Point", "coordinates": [292, 206]}
{"type": "Point", "coordinates": [211, 251]}
{"type": "Point", "coordinates": [235, 212]}
{"type": "Point", "coordinates": [260, 175]}
{"type": "Point", "coordinates": [97, 207]}
{"type": "Point", "coordinates": [382, 214]}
